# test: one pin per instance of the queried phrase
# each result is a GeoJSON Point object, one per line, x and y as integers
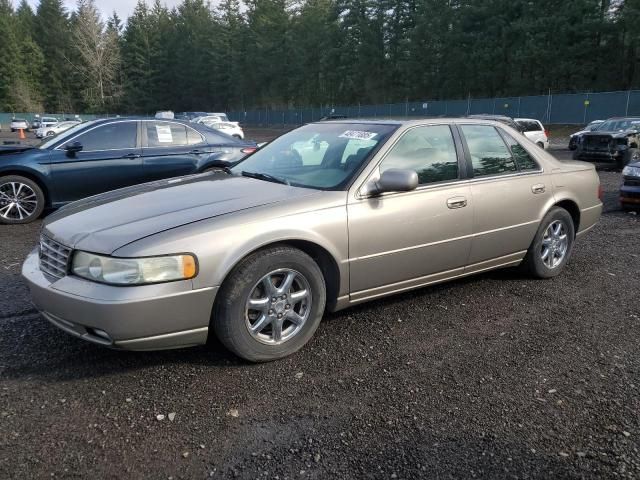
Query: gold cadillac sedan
{"type": "Point", "coordinates": [327, 216]}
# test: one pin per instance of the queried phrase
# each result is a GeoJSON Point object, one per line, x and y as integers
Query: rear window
{"type": "Point", "coordinates": [529, 126]}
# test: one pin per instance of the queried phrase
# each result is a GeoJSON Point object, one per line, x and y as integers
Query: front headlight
{"type": "Point", "coordinates": [133, 271]}
{"type": "Point", "coordinates": [629, 171]}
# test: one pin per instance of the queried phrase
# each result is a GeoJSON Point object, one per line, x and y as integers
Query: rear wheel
{"type": "Point", "coordinates": [541, 145]}
{"type": "Point", "coordinates": [552, 246]}
{"type": "Point", "coordinates": [270, 305]}
{"type": "Point", "coordinates": [21, 200]}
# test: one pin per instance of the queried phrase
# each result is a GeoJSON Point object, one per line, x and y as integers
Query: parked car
{"type": "Point", "coordinates": [327, 216]}
{"type": "Point", "coordinates": [55, 129]}
{"type": "Point", "coordinates": [40, 122]}
{"type": "Point", "coordinates": [191, 115]}
{"type": "Point", "coordinates": [616, 140]}
{"type": "Point", "coordinates": [101, 155]}
{"type": "Point", "coordinates": [19, 124]}
{"type": "Point", "coordinates": [217, 123]}
{"type": "Point", "coordinates": [498, 118]}
{"type": "Point", "coordinates": [573, 138]}
{"type": "Point", "coordinates": [630, 189]}
{"type": "Point", "coordinates": [534, 131]}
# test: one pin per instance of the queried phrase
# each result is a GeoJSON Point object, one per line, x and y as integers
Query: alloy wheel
{"type": "Point", "coordinates": [18, 201]}
{"type": "Point", "coordinates": [555, 244]}
{"type": "Point", "coordinates": [278, 307]}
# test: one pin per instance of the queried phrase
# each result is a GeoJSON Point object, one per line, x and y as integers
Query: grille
{"type": "Point", "coordinates": [598, 142]}
{"type": "Point", "coordinates": [54, 257]}
{"type": "Point", "coordinates": [631, 183]}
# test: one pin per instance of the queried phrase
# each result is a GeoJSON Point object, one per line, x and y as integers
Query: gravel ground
{"type": "Point", "coordinates": [495, 376]}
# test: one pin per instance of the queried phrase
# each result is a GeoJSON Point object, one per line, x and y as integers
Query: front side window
{"type": "Point", "coordinates": [319, 155]}
{"type": "Point", "coordinates": [112, 136]}
{"type": "Point", "coordinates": [489, 153]}
{"type": "Point", "coordinates": [430, 151]}
{"type": "Point", "coordinates": [166, 134]}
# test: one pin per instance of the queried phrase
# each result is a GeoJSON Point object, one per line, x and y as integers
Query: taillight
{"type": "Point", "coordinates": [600, 192]}
{"type": "Point", "coordinates": [249, 150]}
{"type": "Point", "coordinates": [546, 132]}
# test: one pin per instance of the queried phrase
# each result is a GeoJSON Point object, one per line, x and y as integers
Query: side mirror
{"type": "Point", "coordinates": [74, 147]}
{"type": "Point", "coordinates": [396, 180]}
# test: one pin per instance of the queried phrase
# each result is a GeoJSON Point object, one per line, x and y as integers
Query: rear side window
{"type": "Point", "coordinates": [113, 136]}
{"type": "Point", "coordinates": [524, 161]}
{"type": "Point", "coordinates": [193, 137]}
{"type": "Point", "coordinates": [529, 126]}
{"type": "Point", "coordinates": [429, 150]}
{"type": "Point", "coordinates": [166, 134]}
{"type": "Point", "coordinates": [489, 153]}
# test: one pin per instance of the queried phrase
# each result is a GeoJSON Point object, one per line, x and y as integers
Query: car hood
{"type": "Point", "coordinates": [13, 149]}
{"type": "Point", "coordinates": [614, 134]}
{"type": "Point", "coordinates": [106, 222]}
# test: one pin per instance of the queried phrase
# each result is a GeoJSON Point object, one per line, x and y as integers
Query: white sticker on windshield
{"type": "Point", "coordinates": [358, 135]}
{"type": "Point", "coordinates": [164, 134]}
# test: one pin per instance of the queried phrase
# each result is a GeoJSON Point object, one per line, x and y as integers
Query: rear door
{"type": "Point", "coordinates": [109, 159]}
{"type": "Point", "coordinates": [171, 149]}
{"type": "Point", "coordinates": [510, 193]}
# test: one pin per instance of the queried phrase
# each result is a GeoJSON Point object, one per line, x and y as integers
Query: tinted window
{"type": "Point", "coordinates": [430, 151]}
{"type": "Point", "coordinates": [529, 126]}
{"type": "Point", "coordinates": [523, 159]}
{"type": "Point", "coordinates": [193, 137]}
{"type": "Point", "coordinates": [489, 153]}
{"type": "Point", "coordinates": [113, 136]}
{"type": "Point", "coordinates": [166, 134]}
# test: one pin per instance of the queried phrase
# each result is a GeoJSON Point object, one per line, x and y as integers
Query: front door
{"type": "Point", "coordinates": [110, 158]}
{"type": "Point", "coordinates": [403, 240]}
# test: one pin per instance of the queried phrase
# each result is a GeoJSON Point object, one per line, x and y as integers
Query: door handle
{"type": "Point", "coordinates": [132, 155]}
{"type": "Point", "coordinates": [197, 152]}
{"type": "Point", "coordinates": [537, 189]}
{"type": "Point", "coordinates": [457, 202]}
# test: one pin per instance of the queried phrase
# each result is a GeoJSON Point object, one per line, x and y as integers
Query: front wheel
{"type": "Point", "coordinates": [270, 305]}
{"type": "Point", "coordinates": [552, 246]}
{"type": "Point", "coordinates": [50, 134]}
{"type": "Point", "coordinates": [21, 200]}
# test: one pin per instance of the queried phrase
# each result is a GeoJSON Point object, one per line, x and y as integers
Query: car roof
{"type": "Point", "coordinates": [414, 121]}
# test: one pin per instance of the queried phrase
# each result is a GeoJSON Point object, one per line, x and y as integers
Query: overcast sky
{"type": "Point", "coordinates": [123, 7]}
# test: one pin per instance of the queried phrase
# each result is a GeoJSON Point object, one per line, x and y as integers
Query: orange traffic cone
{"type": "Point", "coordinates": [22, 136]}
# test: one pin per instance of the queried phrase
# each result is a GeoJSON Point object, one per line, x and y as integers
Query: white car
{"type": "Point", "coordinates": [43, 122]}
{"type": "Point", "coordinates": [52, 130]}
{"type": "Point", "coordinates": [534, 131]}
{"type": "Point", "coordinates": [221, 123]}
{"type": "Point", "coordinates": [19, 124]}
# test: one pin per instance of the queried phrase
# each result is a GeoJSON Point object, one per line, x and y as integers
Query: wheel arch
{"type": "Point", "coordinates": [34, 177]}
{"type": "Point", "coordinates": [573, 209]}
{"type": "Point", "coordinates": [323, 258]}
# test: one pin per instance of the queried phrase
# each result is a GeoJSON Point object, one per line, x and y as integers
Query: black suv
{"type": "Point", "coordinates": [616, 140]}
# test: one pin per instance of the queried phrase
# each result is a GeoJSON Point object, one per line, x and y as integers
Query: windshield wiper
{"type": "Point", "coordinates": [266, 177]}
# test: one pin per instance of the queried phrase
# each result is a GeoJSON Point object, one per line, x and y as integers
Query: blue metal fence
{"type": "Point", "coordinates": [570, 108]}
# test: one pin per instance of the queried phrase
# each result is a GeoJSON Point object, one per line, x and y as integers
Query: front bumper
{"type": "Point", "coordinates": [630, 194]}
{"type": "Point", "coordinates": [148, 317]}
{"type": "Point", "coordinates": [599, 155]}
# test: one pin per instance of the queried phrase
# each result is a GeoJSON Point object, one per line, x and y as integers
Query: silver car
{"type": "Point", "coordinates": [327, 216]}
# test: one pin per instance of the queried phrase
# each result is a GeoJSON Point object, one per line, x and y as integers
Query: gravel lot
{"type": "Point", "coordinates": [495, 376]}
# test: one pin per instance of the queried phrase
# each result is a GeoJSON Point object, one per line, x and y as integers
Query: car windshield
{"type": "Point", "coordinates": [620, 125]}
{"type": "Point", "coordinates": [322, 156]}
{"type": "Point", "coordinates": [61, 136]}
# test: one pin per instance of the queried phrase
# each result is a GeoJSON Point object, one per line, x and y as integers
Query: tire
{"type": "Point", "coordinates": [30, 206]}
{"type": "Point", "coordinates": [541, 145]}
{"type": "Point", "coordinates": [50, 134]}
{"type": "Point", "coordinates": [533, 263]}
{"type": "Point", "coordinates": [235, 135]}
{"type": "Point", "coordinates": [232, 317]}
